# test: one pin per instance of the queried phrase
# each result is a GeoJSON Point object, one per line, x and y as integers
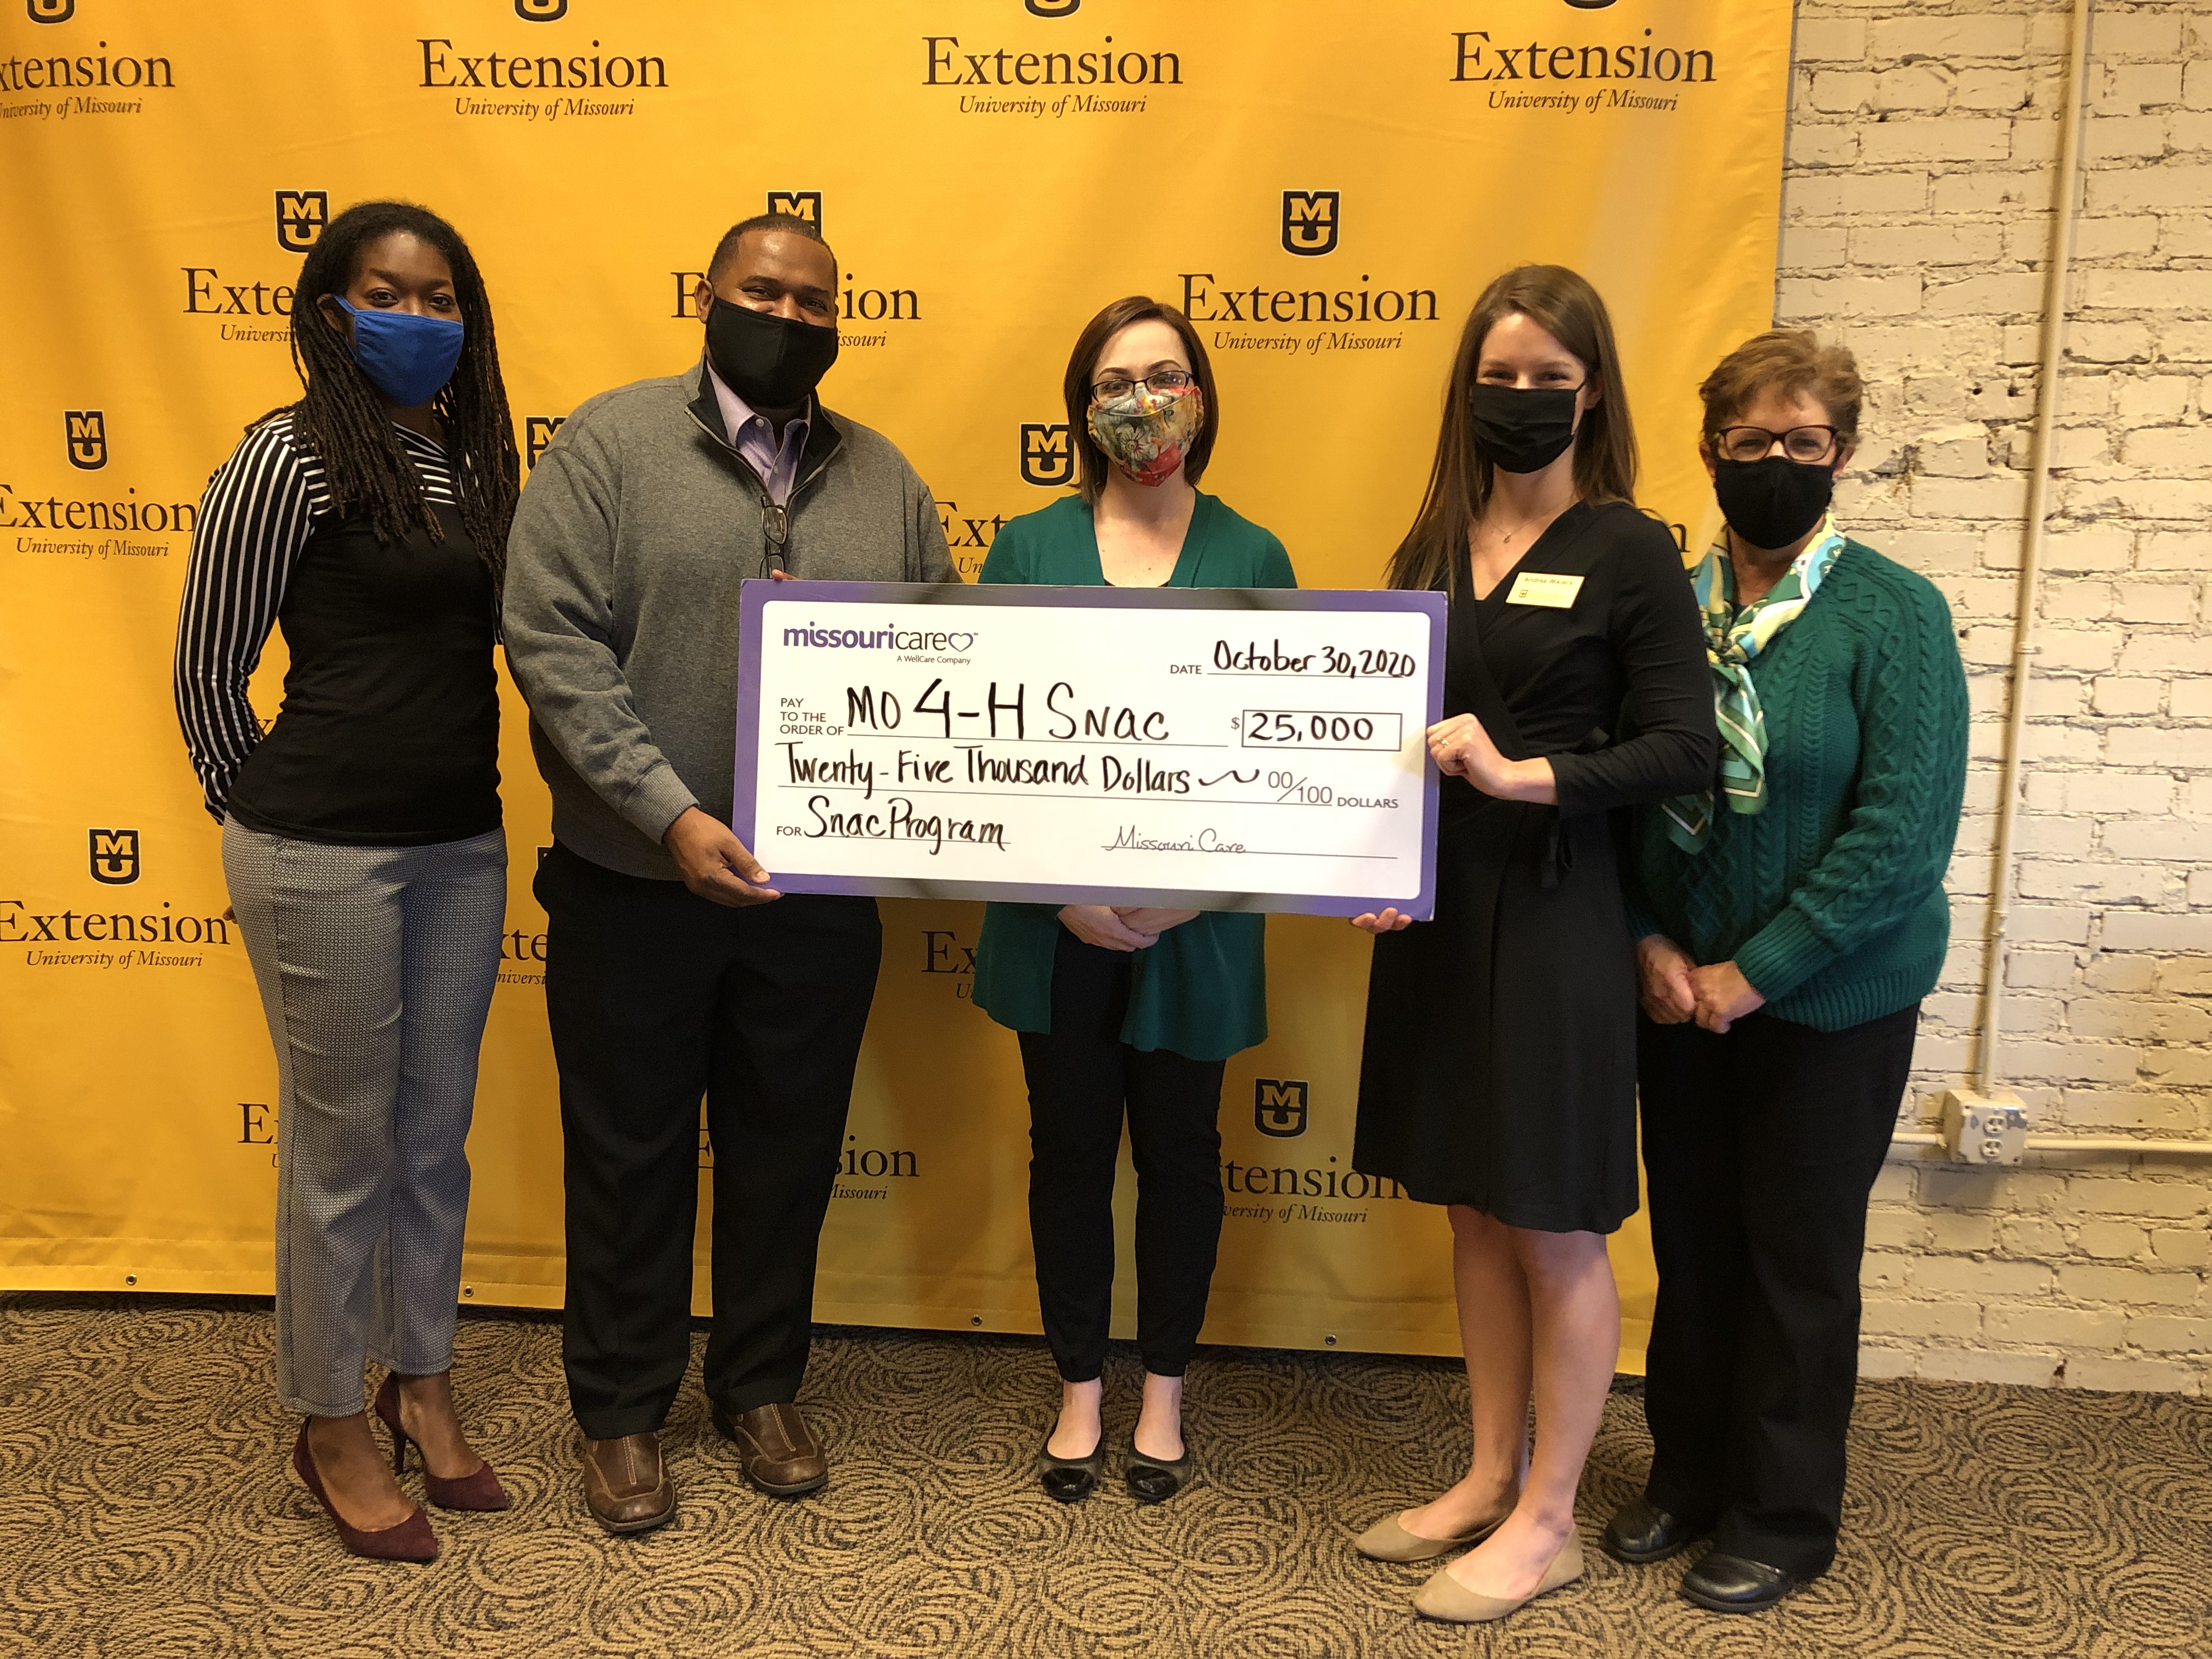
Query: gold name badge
{"type": "Point", "coordinates": [1552, 593]}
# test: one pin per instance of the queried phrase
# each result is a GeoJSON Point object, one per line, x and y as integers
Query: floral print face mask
{"type": "Point", "coordinates": [1147, 433]}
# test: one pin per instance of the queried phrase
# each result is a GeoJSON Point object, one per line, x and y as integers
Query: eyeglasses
{"type": "Point", "coordinates": [1807, 444]}
{"type": "Point", "coordinates": [1162, 380]}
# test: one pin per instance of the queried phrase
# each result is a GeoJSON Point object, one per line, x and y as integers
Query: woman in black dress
{"type": "Point", "coordinates": [1498, 1075]}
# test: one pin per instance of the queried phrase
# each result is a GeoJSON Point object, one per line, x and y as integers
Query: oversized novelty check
{"type": "Point", "coordinates": [1216, 749]}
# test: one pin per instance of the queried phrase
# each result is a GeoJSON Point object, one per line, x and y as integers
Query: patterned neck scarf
{"type": "Point", "coordinates": [1734, 640]}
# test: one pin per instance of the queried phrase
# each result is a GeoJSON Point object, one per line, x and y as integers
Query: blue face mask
{"type": "Point", "coordinates": [406, 357]}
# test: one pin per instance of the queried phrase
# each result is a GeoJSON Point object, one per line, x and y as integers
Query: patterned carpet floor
{"type": "Point", "coordinates": [146, 1509]}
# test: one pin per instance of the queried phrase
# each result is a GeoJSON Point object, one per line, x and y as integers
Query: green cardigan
{"type": "Point", "coordinates": [1202, 991]}
{"type": "Point", "coordinates": [1831, 902]}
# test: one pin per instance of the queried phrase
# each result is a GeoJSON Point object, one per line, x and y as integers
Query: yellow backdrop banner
{"type": "Point", "coordinates": [1323, 187]}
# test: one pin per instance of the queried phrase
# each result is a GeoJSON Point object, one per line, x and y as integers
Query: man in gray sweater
{"type": "Point", "coordinates": [673, 968]}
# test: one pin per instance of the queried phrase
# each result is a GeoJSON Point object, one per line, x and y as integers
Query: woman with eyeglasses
{"type": "Point", "coordinates": [1790, 915]}
{"type": "Point", "coordinates": [1498, 1077]}
{"type": "Point", "coordinates": [1128, 1010]}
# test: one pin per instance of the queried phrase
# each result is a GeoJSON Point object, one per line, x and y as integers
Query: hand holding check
{"type": "Point", "coordinates": [1462, 749]}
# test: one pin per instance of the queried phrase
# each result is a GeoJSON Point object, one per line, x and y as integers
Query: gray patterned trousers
{"type": "Point", "coordinates": [376, 966]}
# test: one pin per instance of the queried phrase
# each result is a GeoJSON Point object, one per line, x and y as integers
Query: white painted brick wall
{"type": "Point", "coordinates": [1916, 223]}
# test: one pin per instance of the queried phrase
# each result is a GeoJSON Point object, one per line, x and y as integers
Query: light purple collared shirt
{"type": "Point", "coordinates": [753, 436]}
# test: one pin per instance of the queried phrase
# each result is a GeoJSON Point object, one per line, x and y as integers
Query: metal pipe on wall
{"type": "Point", "coordinates": [2066, 191]}
{"type": "Point", "coordinates": [2049, 357]}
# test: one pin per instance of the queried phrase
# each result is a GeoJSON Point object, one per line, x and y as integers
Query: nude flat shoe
{"type": "Point", "coordinates": [1389, 1540]}
{"type": "Point", "coordinates": [1444, 1597]}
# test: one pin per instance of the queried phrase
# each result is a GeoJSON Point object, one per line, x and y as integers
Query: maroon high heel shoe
{"type": "Point", "coordinates": [410, 1540]}
{"type": "Point", "coordinates": [480, 1490]}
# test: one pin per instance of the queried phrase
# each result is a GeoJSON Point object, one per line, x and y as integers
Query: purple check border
{"type": "Point", "coordinates": [756, 595]}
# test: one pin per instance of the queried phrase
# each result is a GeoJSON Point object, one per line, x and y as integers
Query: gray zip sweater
{"type": "Point", "coordinates": [621, 604]}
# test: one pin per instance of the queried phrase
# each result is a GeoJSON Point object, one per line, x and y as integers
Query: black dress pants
{"type": "Point", "coordinates": [1081, 1077]}
{"type": "Point", "coordinates": [1760, 1148]}
{"type": "Point", "coordinates": [656, 997]}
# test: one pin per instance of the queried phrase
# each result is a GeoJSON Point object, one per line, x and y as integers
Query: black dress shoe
{"type": "Point", "coordinates": [1730, 1583]}
{"type": "Point", "coordinates": [1641, 1532]}
{"type": "Point", "coordinates": [1071, 1478]}
{"type": "Point", "coordinates": [1156, 1480]}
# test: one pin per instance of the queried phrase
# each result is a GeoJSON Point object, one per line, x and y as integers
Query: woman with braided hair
{"type": "Point", "coordinates": [361, 836]}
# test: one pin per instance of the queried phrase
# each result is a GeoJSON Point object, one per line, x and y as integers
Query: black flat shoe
{"type": "Point", "coordinates": [1070, 1479]}
{"type": "Point", "coordinates": [1641, 1532]}
{"type": "Point", "coordinates": [1730, 1583]}
{"type": "Point", "coordinates": [1155, 1480]}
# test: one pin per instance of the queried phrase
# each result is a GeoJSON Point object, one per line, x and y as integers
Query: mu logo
{"type": "Point", "coordinates": [1047, 454]}
{"type": "Point", "coordinates": [86, 430]}
{"type": "Point", "coordinates": [1051, 8]}
{"type": "Point", "coordinates": [114, 856]}
{"type": "Point", "coordinates": [301, 216]}
{"type": "Point", "coordinates": [541, 11]}
{"type": "Point", "coordinates": [1278, 1107]}
{"type": "Point", "coordinates": [538, 431]}
{"type": "Point", "coordinates": [799, 203]}
{"type": "Point", "coordinates": [51, 11]}
{"type": "Point", "coordinates": [1309, 221]}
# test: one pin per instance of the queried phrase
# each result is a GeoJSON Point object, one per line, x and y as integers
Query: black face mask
{"type": "Point", "coordinates": [770, 361]}
{"type": "Point", "coordinates": [1772, 502]}
{"type": "Point", "coordinates": [1519, 429]}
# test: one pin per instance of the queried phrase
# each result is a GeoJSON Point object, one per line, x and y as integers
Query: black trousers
{"type": "Point", "coordinates": [1760, 1148]}
{"type": "Point", "coordinates": [656, 997]}
{"type": "Point", "coordinates": [1082, 1077]}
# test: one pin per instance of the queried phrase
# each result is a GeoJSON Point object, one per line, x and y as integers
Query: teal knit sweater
{"type": "Point", "coordinates": [1831, 900]}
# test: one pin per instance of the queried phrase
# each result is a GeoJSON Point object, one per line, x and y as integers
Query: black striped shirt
{"type": "Point", "coordinates": [260, 509]}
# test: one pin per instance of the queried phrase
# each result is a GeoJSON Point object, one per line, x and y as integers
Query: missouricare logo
{"type": "Point", "coordinates": [1309, 221]}
{"type": "Point", "coordinates": [301, 216]}
{"type": "Point", "coordinates": [817, 637]}
{"type": "Point", "coordinates": [1279, 1106]}
{"type": "Point", "coordinates": [114, 856]}
{"type": "Point", "coordinates": [538, 431]}
{"type": "Point", "coordinates": [1047, 454]}
{"type": "Point", "coordinates": [51, 11]}
{"type": "Point", "coordinates": [86, 432]}
{"type": "Point", "coordinates": [799, 203]}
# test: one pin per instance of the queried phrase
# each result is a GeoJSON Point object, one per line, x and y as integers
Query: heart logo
{"type": "Point", "coordinates": [960, 641]}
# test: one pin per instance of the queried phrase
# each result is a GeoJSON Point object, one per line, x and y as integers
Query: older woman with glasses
{"type": "Point", "coordinates": [1128, 1010]}
{"type": "Point", "coordinates": [1791, 916]}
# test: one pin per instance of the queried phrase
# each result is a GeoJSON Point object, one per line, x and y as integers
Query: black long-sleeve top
{"type": "Point", "coordinates": [389, 732]}
{"type": "Point", "coordinates": [1628, 643]}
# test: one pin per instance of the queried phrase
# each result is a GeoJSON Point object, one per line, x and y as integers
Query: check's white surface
{"type": "Point", "coordinates": [1093, 751]}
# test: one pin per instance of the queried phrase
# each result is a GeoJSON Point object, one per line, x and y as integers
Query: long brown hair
{"type": "Point", "coordinates": [1136, 308]}
{"type": "Point", "coordinates": [1567, 308]}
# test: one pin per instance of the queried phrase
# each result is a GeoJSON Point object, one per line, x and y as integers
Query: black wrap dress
{"type": "Point", "coordinates": [1499, 1069]}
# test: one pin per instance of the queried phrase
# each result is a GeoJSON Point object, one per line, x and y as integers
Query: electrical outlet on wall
{"type": "Point", "coordinates": [1978, 1128]}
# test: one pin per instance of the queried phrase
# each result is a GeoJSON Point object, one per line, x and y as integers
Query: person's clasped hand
{"type": "Point", "coordinates": [1724, 995]}
{"type": "Point", "coordinates": [1102, 925]}
{"type": "Point", "coordinates": [1662, 981]}
{"type": "Point", "coordinates": [1153, 919]}
{"type": "Point", "coordinates": [1674, 989]}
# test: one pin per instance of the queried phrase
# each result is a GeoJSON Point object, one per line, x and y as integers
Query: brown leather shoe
{"type": "Point", "coordinates": [780, 1453]}
{"type": "Point", "coordinates": [626, 1483]}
